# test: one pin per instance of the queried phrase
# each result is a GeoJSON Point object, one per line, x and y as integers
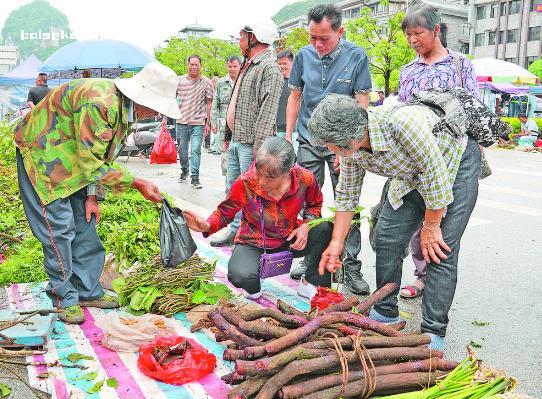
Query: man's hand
{"type": "Point", "coordinates": [92, 208]}
{"type": "Point", "coordinates": [206, 130]}
{"type": "Point", "coordinates": [195, 222]}
{"type": "Point", "coordinates": [300, 234]}
{"type": "Point", "coordinates": [214, 129]}
{"type": "Point", "coordinates": [331, 257]}
{"type": "Point", "coordinates": [336, 164]}
{"type": "Point", "coordinates": [288, 137]}
{"type": "Point", "coordinates": [148, 189]}
{"type": "Point", "coordinates": [432, 244]}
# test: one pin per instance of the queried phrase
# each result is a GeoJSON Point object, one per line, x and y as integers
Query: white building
{"type": "Point", "coordinates": [8, 58]}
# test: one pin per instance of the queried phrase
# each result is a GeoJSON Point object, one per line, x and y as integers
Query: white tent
{"type": "Point", "coordinates": [491, 69]}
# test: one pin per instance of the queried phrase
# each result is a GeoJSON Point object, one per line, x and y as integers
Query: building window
{"type": "Point", "coordinates": [346, 14]}
{"type": "Point", "coordinates": [380, 7]}
{"type": "Point", "coordinates": [503, 8]}
{"type": "Point", "coordinates": [481, 12]}
{"type": "Point", "coordinates": [535, 4]}
{"type": "Point", "coordinates": [494, 10]}
{"type": "Point", "coordinates": [354, 12]}
{"type": "Point", "coordinates": [492, 37]}
{"type": "Point", "coordinates": [512, 36]}
{"type": "Point", "coordinates": [515, 6]}
{"type": "Point", "coordinates": [479, 39]}
{"type": "Point", "coordinates": [501, 37]}
{"type": "Point", "coordinates": [512, 60]}
{"type": "Point", "coordinates": [534, 33]}
{"type": "Point", "coordinates": [530, 60]}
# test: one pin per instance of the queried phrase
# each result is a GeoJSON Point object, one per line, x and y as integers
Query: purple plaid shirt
{"type": "Point", "coordinates": [417, 76]}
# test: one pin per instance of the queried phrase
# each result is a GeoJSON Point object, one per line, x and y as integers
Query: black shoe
{"type": "Point", "coordinates": [223, 241]}
{"type": "Point", "coordinates": [196, 184]}
{"type": "Point", "coordinates": [354, 281]}
{"type": "Point", "coordinates": [183, 177]}
{"type": "Point", "coordinates": [299, 271]}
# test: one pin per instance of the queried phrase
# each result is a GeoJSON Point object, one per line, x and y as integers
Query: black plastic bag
{"type": "Point", "coordinates": [176, 242]}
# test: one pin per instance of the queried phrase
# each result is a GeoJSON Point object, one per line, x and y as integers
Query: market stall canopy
{"type": "Point", "coordinates": [23, 74]}
{"type": "Point", "coordinates": [97, 54]}
{"type": "Point", "coordinates": [499, 71]}
{"type": "Point", "coordinates": [504, 87]}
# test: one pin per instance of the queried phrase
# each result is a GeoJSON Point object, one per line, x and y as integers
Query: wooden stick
{"type": "Point", "coordinates": [383, 292]}
{"type": "Point", "coordinates": [248, 388]}
{"type": "Point", "coordinates": [53, 364]}
{"type": "Point", "coordinates": [230, 331]}
{"type": "Point", "coordinates": [10, 237]}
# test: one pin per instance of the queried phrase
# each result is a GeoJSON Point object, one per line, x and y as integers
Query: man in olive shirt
{"type": "Point", "coordinates": [38, 92]}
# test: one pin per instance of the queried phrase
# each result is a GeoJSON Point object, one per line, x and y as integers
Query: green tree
{"type": "Point", "coordinates": [384, 41]}
{"type": "Point", "coordinates": [536, 68]}
{"type": "Point", "coordinates": [296, 39]}
{"type": "Point", "coordinates": [34, 17]}
{"type": "Point", "coordinates": [213, 53]}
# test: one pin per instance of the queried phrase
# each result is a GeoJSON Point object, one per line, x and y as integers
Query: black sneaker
{"type": "Point", "coordinates": [196, 184]}
{"type": "Point", "coordinates": [184, 176]}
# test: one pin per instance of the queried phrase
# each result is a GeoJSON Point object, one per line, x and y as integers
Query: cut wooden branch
{"type": "Point", "coordinates": [344, 306]}
{"type": "Point", "coordinates": [380, 294]}
{"type": "Point", "coordinates": [327, 357]}
{"type": "Point", "coordinates": [50, 364]}
{"type": "Point", "coordinates": [231, 331]}
{"type": "Point", "coordinates": [290, 310]}
{"type": "Point", "coordinates": [286, 319]}
{"type": "Point", "coordinates": [248, 388]}
{"type": "Point", "coordinates": [327, 381]}
{"type": "Point", "coordinates": [270, 365]}
{"type": "Point", "coordinates": [405, 382]}
{"type": "Point", "coordinates": [301, 333]}
{"type": "Point", "coordinates": [233, 354]}
{"type": "Point", "coordinates": [373, 342]}
{"type": "Point", "coordinates": [254, 352]}
{"type": "Point", "coordinates": [260, 329]}
{"type": "Point", "coordinates": [233, 378]}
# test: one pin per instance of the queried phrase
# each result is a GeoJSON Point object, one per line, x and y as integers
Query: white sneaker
{"type": "Point", "coordinates": [306, 289]}
{"type": "Point", "coordinates": [252, 296]}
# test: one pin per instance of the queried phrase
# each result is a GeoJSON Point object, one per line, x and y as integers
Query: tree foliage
{"type": "Point", "coordinates": [213, 53]}
{"type": "Point", "coordinates": [385, 43]}
{"type": "Point", "coordinates": [296, 9]}
{"type": "Point", "coordinates": [536, 68]}
{"type": "Point", "coordinates": [33, 17]}
{"type": "Point", "coordinates": [296, 39]}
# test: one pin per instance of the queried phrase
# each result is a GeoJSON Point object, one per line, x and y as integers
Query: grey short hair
{"type": "Point", "coordinates": [233, 58]}
{"type": "Point", "coordinates": [337, 120]}
{"type": "Point", "coordinates": [424, 16]}
{"type": "Point", "coordinates": [332, 12]}
{"type": "Point", "coordinates": [285, 54]}
{"type": "Point", "coordinates": [277, 155]}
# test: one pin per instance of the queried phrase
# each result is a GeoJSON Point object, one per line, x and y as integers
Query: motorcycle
{"type": "Point", "coordinates": [142, 137]}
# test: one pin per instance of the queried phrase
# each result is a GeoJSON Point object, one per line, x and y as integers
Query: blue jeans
{"type": "Point", "coordinates": [240, 158]}
{"type": "Point", "coordinates": [295, 143]}
{"type": "Point", "coordinates": [190, 135]}
{"type": "Point", "coordinates": [395, 228]}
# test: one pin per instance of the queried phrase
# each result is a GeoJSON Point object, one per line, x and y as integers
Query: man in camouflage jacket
{"type": "Point", "coordinates": [66, 146]}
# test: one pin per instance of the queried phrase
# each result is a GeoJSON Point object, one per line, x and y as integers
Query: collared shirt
{"type": "Point", "coordinates": [530, 127]}
{"type": "Point", "coordinates": [69, 140]}
{"type": "Point", "coordinates": [417, 75]}
{"type": "Point", "coordinates": [38, 93]}
{"type": "Point", "coordinates": [257, 102]}
{"type": "Point", "coordinates": [280, 216]}
{"type": "Point", "coordinates": [221, 100]}
{"type": "Point", "coordinates": [193, 95]}
{"type": "Point", "coordinates": [404, 148]}
{"type": "Point", "coordinates": [345, 70]}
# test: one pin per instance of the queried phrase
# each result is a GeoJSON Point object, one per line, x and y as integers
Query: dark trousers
{"type": "Point", "coordinates": [244, 264]}
{"type": "Point", "coordinates": [73, 253]}
{"type": "Point", "coordinates": [315, 160]}
{"type": "Point", "coordinates": [395, 228]}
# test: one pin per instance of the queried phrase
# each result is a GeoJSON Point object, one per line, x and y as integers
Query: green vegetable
{"type": "Point", "coordinates": [88, 376]}
{"type": "Point", "coordinates": [112, 382]}
{"type": "Point", "coordinates": [357, 211]}
{"type": "Point", "coordinates": [475, 344]}
{"type": "Point", "coordinates": [479, 323]}
{"type": "Point", "coordinates": [96, 387]}
{"type": "Point", "coordinates": [75, 357]}
{"type": "Point", "coordinates": [5, 391]}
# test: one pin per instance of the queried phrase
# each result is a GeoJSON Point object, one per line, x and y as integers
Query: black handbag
{"type": "Point", "coordinates": [176, 242]}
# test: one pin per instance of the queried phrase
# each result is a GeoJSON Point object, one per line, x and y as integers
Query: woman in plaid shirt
{"type": "Point", "coordinates": [435, 185]}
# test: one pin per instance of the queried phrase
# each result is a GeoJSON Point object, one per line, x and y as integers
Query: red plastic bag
{"type": "Point", "coordinates": [538, 143]}
{"type": "Point", "coordinates": [164, 150]}
{"type": "Point", "coordinates": [325, 297]}
{"type": "Point", "coordinates": [196, 362]}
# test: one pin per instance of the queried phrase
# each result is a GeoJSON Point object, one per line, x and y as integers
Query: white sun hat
{"type": "Point", "coordinates": [265, 31]}
{"type": "Point", "coordinates": [154, 87]}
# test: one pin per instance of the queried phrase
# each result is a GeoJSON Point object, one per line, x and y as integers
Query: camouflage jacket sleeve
{"type": "Point", "coordinates": [94, 136]}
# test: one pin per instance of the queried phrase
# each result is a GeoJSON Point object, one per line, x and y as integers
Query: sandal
{"type": "Point", "coordinates": [410, 292]}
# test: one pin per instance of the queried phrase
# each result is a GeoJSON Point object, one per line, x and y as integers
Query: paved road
{"type": "Point", "coordinates": [500, 278]}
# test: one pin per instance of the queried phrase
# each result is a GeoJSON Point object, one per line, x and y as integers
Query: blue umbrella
{"type": "Point", "coordinates": [97, 54]}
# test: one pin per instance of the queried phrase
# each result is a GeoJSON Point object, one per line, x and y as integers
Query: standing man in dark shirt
{"type": "Point", "coordinates": [329, 64]}
{"type": "Point", "coordinates": [38, 92]}
{"type": "Point", "coordinates": [285, 60]}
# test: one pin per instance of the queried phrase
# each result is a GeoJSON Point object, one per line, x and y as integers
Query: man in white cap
{"type": "Point", "coordinates": [66, 147]}
{"type": "Point", "coordinates": [252, 111]}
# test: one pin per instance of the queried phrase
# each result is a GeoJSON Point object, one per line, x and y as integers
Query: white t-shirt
{"type": "Point", "coordinates": [530, 126]}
